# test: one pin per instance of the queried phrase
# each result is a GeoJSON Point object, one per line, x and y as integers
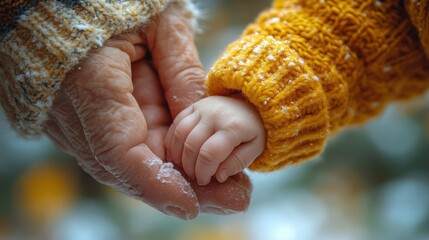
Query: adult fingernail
{"type": "Point", "coordinates": [214, 210]}
{"type": "Point", "coordinates": [178, 212]}
{"type": "Point", "coordinates": [230, 211]}
{"type": "Point", "coordinates": [220, 211]}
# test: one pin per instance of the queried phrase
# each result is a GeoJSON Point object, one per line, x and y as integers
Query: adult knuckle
{"type": "Point", "coordinates": [111, 66]}
{"type": "Point", "coordinates": [106, 147]}
{"type": "Point", "coordinates": [191, 75]}
{"type": "Point", "coordinates": [109, 130]}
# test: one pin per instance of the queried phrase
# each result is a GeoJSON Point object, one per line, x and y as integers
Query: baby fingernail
{"type": "Point", "coordinates": [201, 182]}
{"type": "Point", "coordinates": [176, 211]}
{"type": "Point", "coordinates": [223, 176]}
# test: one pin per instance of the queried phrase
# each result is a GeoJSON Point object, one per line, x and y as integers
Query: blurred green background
{"type": "Point", "coordinates": [372, 182]}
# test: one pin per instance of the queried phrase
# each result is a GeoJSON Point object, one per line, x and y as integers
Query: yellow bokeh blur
{"type": "Point", "coordinates": [45, 193]}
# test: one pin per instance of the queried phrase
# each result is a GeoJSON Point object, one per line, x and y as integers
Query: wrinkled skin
{"type": "Point", "coordinates": [114, 109]}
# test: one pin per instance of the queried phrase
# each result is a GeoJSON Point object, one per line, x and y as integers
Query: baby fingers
{"type": "Point", "coordinates": [177, 136]}
{"type": "Point", "coordinates": [192, 146]}
{"type": "Point", "coordinates": [239, 159]}
{"type": "Point", "coordinates": [213, 152]}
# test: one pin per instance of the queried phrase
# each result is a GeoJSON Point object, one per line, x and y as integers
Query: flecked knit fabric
{"type": "Point", "coordinates": [312, 67]}
{"type": "Point", "coordinates": [40, 41]}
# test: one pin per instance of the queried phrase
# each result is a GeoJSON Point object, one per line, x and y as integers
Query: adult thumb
{"type": "Point", "coordinates": [175, 57]}
{"type": "Point", "coordinates": [113, 127]}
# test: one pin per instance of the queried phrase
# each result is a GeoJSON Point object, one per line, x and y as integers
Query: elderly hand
{"type": "Point", "coordinates": [112, 114]}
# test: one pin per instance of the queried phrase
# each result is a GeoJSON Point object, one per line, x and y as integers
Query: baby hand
{"type": "Point", "coordinates": [216, 136]}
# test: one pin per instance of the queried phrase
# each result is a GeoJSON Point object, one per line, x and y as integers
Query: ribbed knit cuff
{"type": "Point", "coordinates": [312, 67]}
{"type": "Point", "coordinates": [287, 93]}
{"type": "Point", "coordinates": [50, 38]}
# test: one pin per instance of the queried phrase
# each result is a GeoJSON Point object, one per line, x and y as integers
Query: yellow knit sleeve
{"type": "Point", "coordinates": [312, 67]}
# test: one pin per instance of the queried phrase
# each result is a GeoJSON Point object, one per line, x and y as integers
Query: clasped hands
{"type": "Point", "coordinates": [114, 109]}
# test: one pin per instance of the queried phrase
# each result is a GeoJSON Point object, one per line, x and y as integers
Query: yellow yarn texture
{"type": "Point", "coordinates": [312, 67]}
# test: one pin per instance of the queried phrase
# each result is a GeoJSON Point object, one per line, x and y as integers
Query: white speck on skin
{"type": "Point", "coordinates": [154, 162]}
{"type": "Point", "coordinates": [165, 171]}
{"type": "Point", "coordinates": [301, 61]}
{"type": "Point", "coordinates": [167, 174]}
{"type": "Point", "coordinates": [378, 3]}
{"type": "Point", "coordinates": [271, 57]}
{"type": "Point", "coordinates": [241, 63]}
{"type": "Point", "coordinates": [316, 78]}
{"type": "Point", "coordinates": [292, 64]}
{"type": "Point", "coordinates": [175, 99]}
{"type": "Point", "coordinates": [322, 1]}
{"type": "Point", "coordinates": [387, 69]}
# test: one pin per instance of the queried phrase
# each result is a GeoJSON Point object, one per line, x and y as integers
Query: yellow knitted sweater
{"type": "Point", "coordinates": [312, 67]}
